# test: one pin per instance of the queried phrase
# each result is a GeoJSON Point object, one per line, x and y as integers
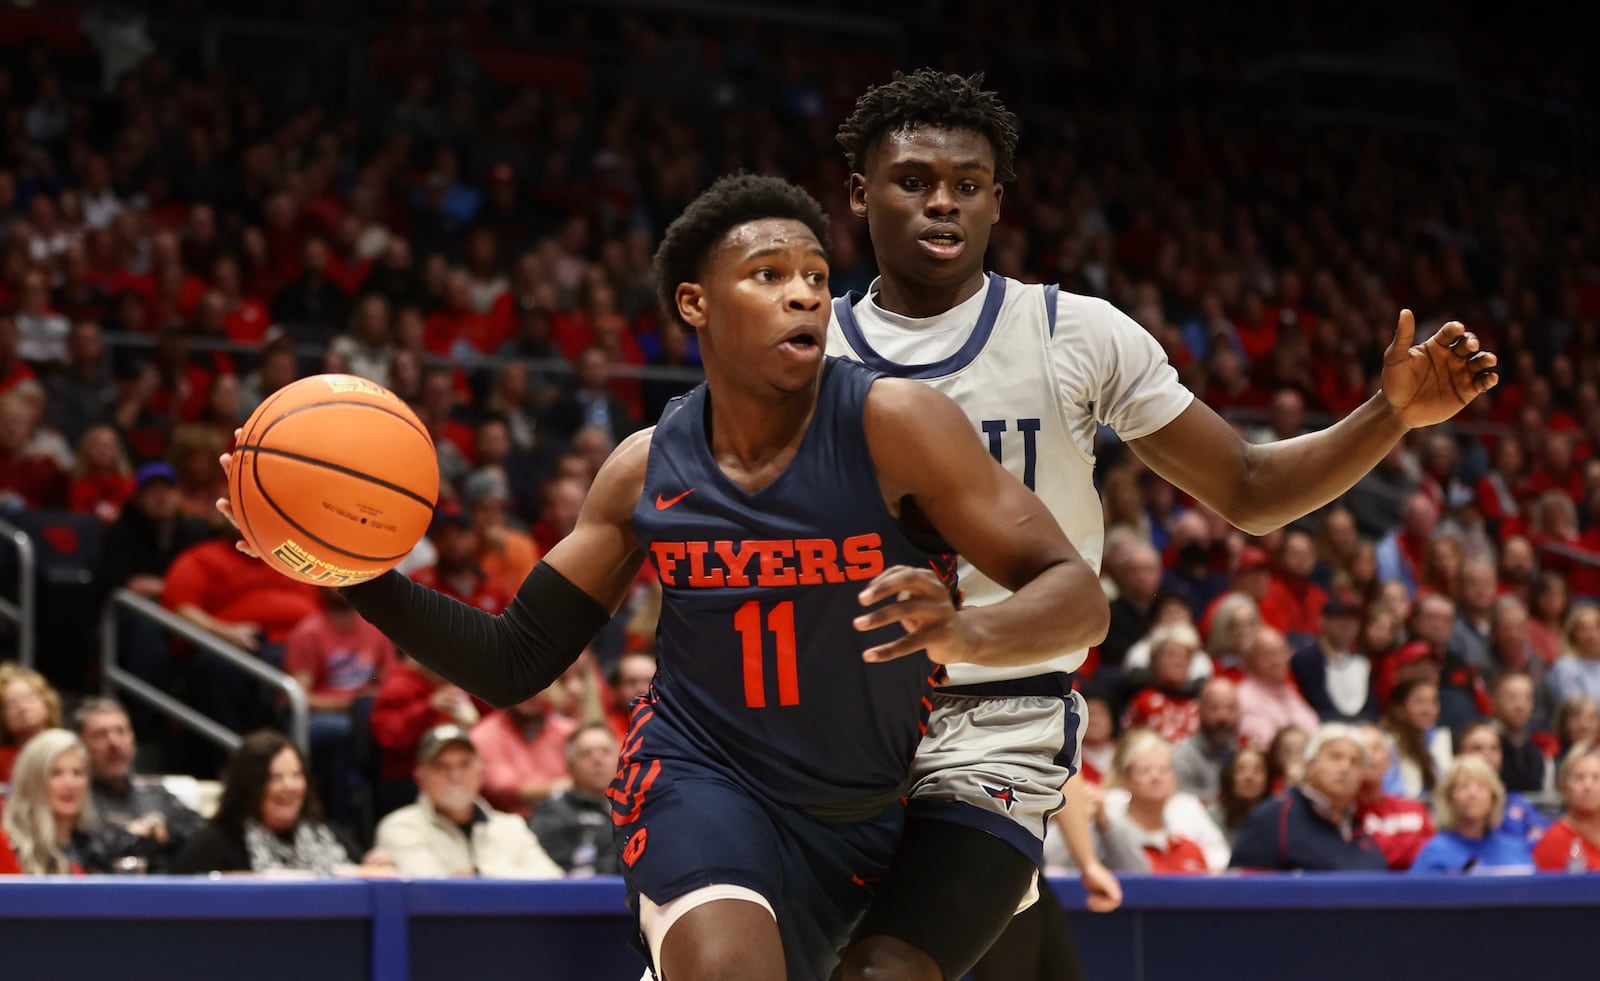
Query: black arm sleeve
{"type": "Point", "coordinates": [501, 659]}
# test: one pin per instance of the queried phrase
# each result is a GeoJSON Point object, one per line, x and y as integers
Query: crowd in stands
{"type": "Point", "coordinates": [1407, 679]}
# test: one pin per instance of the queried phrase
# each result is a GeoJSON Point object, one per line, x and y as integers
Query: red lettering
{"type": "Point", "coordinates": [697, 566]}
{"type": "Point", "coordinates": [862, 556]}
{"type": "Point", "coordinates": [667, 555]}
{"type": "Point", "coordinates": [819, 561]}
{"type": "Point", "coordinates": [773, 570]}
{"type": "Point", "coordinates": [736, 560]}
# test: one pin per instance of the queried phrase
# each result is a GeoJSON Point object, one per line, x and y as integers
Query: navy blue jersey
{"type": "Point", "coordinates": [760, 669]}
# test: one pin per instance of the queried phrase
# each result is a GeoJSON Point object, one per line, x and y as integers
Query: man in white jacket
{"type": "Point", "coordinates": [450, 830]}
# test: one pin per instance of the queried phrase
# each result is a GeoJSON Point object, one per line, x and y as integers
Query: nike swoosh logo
{"type": "Point", "coordinates": [662, 503]}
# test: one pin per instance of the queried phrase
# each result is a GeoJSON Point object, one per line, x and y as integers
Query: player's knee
{"type": "Point", "coordinates": [887, 959]}
{"type": "Point", "coordinates": [723, 941]}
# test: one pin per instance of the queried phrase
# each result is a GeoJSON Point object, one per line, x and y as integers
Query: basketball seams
{"type": "Point", "coordinates": [266, 498]}
{"type": "Point", "coordinates": [340, 469]}
{"type": "Point", "coordinates": [409, 420]}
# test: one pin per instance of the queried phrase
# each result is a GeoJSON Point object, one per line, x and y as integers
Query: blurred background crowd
{"type": "Point", "coordinates": [200, 202]}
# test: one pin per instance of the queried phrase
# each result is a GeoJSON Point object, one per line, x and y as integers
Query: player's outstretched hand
{"type": "Point", "coordinates": [922, 605]}
{"type": "Point", "coordinates": [1430, 382]}
{"type": "Point", "coordinates": [224, 505]}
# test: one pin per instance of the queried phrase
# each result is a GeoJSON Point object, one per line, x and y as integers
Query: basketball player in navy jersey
{"type": "Point", "coordinates": [758, 796]}
{"type": "Point", "coordinates": [1036, 371]}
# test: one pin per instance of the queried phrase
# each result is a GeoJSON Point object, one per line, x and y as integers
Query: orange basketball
{"type": "Point", "coordinates": [334, 480]}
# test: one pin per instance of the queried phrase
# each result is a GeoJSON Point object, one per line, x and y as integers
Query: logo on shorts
{"type": "Point", "coordinates": [635, 847]}
{"type": "Point", "coordinates": [1004, 795]}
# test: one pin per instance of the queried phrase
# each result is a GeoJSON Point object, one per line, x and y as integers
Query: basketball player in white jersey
{"type": "Point", "coordinates": [1036, 370]}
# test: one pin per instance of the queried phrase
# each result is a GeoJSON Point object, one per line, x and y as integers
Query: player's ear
{"type": "Point", "coordinates": [999, 192]}
{"type": "Point", "coordinates": [691, 301]}
{"type": "Point", "coordinates": [858, 195]}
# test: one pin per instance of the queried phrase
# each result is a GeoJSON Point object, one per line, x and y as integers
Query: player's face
{"type": "Point", "coordinates": [761, 308]}
{"type": "Point", "coordinates": [929, 197]}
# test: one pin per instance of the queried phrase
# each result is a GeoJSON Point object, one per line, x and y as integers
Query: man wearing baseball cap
{"type": "Point", "coordinates": [451, 830]}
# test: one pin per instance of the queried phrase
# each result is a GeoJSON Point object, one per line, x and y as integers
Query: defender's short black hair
{"type": "Point", "coordinates": [730, 202]}
{"type": "Point", "coordinates": [933, 99]}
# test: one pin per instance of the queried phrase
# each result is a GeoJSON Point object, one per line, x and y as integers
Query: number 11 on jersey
{"type": "Point", "coordinates": [781, 622]}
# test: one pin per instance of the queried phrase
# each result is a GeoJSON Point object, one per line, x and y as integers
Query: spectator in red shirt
{"type": "Point", "coordinates": [245, 318]}
{"type": "Point", "coordinates": [524, 754]}
{"type": "Point", "coordinates": [1168, 704]}
{"type": "Point", "coordinates": [12, 368]}
{"type": "Point", "coordinates": [335, 656]}
{"type": "Point", "coordinates": [1573, 843]}
{"type": "Point", "coordinates": [458, 330]}
{"type": "Point", "coordinates": [1500, 490]}
{"type": "Point", "coordinates": [244, 602]}
{"type": "Point", "coordinates": [410, 701]}
{"type": "Point", "coordinates": [1292, 599]}
{"type": "Point", "coordinates": [28, 479]}
{"type": "Point", "coordinates": [102, 481]}
{"type": "Point", "coordinates": [1400, 826]}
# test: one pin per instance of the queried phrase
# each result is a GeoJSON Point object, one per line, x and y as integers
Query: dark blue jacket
{"type": "Point", "coordinates": [1287, 833]}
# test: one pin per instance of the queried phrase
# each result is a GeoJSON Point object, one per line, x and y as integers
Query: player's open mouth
{"type": "Point", "coordinates": [944, 243]}
{"type": "Point", "coordinates": [803, 344]}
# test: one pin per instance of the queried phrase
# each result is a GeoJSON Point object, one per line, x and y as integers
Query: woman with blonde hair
{"type": "Point", "coordinates": [28, 706]}
{"type": "Point", "coordinates": [1577, 670]}
{"type": "Point", "coordinates": [102, 479]}
{"type": "Point", "coordinates": [1144, 823]}
{"type": "Point", "coordinates": [1469, 805]}
{"type": "Point", "coordinates": [49, 825]}
{"type": "Point", "coordinates": [1232, 629]}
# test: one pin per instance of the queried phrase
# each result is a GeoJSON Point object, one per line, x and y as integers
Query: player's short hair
{"type": "Point", "coordinates": [730, 202]}
{"type": "Point", "coordinates": [929, 98]}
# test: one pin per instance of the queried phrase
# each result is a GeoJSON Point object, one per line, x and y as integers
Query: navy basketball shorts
{"type": "Point", "coordinates": [682, 826]}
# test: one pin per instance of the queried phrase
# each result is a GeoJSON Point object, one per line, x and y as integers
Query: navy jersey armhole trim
{"type": "Point", "coordinates": [974, 345]}
{"type": "Point", "coordinates": [1050, 306]}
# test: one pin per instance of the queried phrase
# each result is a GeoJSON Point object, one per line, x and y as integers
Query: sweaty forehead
{"type": "Point", "coordinates": [767, 233]}
{"type": "Point", "coordinates": [935, 146]}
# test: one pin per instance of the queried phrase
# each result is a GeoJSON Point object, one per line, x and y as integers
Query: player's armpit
{"type": "Point", "coordinates": [925, 447]}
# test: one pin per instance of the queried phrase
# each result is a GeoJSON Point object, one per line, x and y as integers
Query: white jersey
{"type": "Point", "coordinates": [1037, 370]}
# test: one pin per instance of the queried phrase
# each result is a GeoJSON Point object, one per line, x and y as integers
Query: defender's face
{"type": "Point", "coordinates": [761, 307]}
{"type": "Point", "coordinates": [929, 196]}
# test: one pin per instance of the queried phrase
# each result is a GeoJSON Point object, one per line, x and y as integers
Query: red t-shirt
{"type": "Point", "coordinates": [1174, 717]}
{"type": "Point", "coordinates": [102, 495]}
{"type": "Point", "coordinates": [8, 856]}
{"type": "Point", "coordinates": [339, 661]}
{"type": "Point", "coordinates": [235, 588]}
{"type": "Point", "coordinates": [401, 713]}
{"type": "Point", "coordinates": [1555, 848]}
{"type": "Point", "coordinates": [1399, 826]}
{"type": "Point", "coordinates": [1181, 857]}
{"type": "Point", "coordinates": [247, 322]}
{"type": "Point", "coordinates": [37, 479]}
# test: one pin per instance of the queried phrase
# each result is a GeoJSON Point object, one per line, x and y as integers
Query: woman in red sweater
{"type": "Point", "coordinates": [102, 481]}
{"type": "Point", "coordinates": [1573, 843]}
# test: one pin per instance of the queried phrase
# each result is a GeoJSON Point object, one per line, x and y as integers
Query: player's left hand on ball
{"type": "Point", "coordinates": [224, 506]}
{"type": "Point", "coordinates": [922, 605]}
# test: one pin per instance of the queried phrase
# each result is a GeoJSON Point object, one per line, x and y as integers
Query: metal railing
{"type": "Point", "coordinates": [114, 677]}
{"type": "Point", "coordinates": [21, 612]}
